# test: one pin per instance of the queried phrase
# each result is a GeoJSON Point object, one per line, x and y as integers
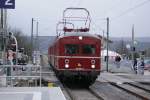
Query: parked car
{"type": "Point", "coordinates": [147, 64]}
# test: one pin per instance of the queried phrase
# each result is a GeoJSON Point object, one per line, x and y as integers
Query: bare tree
{"type": "Point", "coordinates": [23, 41]}
{"type": "Point", "coordinates": [147, 52]}
{"type": "Point", "coordinates": [121, 48]}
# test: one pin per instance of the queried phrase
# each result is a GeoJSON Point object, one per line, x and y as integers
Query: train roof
{"type": "Point", "coordinates": [87, 34]}
{"type": "Point", "coordinates": [68, 34]}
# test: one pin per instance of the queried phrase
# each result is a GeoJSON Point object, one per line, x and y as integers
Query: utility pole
{"type": "Point", "coordinates": [2, 21]}
{"type": "Point", "coordinates": [133, 46]}
{"type": "Point", "coordinates": [37, 35]}
{"type": "Point", "coordinates": [103, 46]}
{"type": "Point", "coordinates": [3, 27]}
{"type": "Point", "coordinates": [32, 36]}
{"type": "Point", "coordinates": [2, 35]}
{"type": "Point", "coordinates": [5, 21]}
{"type": "Point", "coordinates": [5, 33]}
{"type": "Point", "coordinates": [107, 45]}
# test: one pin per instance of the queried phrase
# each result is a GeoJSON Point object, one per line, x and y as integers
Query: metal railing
{"type": "Point", "coordinates": [11, 72]}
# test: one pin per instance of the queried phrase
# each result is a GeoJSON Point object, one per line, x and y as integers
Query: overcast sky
{"type": "Point", "coordinates": [48, 12]}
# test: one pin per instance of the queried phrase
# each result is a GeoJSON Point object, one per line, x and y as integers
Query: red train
{"type": "Point", "coordinates": [75, 54]}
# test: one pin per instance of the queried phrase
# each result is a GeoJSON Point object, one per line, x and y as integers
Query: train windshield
{"type": "Point", "coordinates": [88, 49]}
{"type": "Point", "coordinates": [71, 49]}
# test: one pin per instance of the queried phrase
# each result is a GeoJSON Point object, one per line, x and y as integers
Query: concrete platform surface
{"type": "Point", "coordinates": [120, 78]}
{"type": "Point", "coordinates": [109, 77]}
{"type": "Point", "coordinates": [31, 93]}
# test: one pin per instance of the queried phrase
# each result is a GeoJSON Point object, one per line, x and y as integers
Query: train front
{"type": "Point", "coordinates": [78, 54]}
{"type": "Point", "coordinates": [79, 57]}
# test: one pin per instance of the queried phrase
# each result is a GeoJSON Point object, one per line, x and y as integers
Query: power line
{"type": "Point", "coordinates": [98, 27]}
{"type": "Point", "coordinates": [113, 7]}
{"type": "Point", "coordinates": [130, 9]}
{"type": "Point", "coordinates": [76, 3]}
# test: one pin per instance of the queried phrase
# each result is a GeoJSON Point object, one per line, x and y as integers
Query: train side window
{"type": "Point", "coordinates": [88, 49]}
{"type": "Point", "coordinates": [71, 49]}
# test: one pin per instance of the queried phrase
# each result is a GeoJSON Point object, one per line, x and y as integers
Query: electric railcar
{"type": "Point", "coordinates": [76, 54]}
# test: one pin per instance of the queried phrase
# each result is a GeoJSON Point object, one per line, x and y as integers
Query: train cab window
{"type": "Point", "coordinates": [88, 49]}
{"type": "Point", "coordinates": [71, 49]}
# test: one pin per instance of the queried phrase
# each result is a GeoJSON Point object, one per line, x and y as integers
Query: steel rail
{"type": "Point", "coordinates": [95, 94]}
{"type": "Point", "coordinates": [140, 87]}
{"type": "Point", "coordinates": [129, 91]}
{"type": "Point", "coordinates": [71, 95]}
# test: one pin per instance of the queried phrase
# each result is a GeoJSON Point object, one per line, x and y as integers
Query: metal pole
{"type": "Point", "coordinates": [40, 75]}
{"type": "Point", "coordinates": [5, 20]}
{"type": "Point", "coordinates": [133, 43]}
{"type": "Point", "coordinates": [32, 37]}
{"type": "Point", "coordinates": [107, 58]}
{"type": "Point", "coordinates": [37, 38]}
{"type": "Point", "coordinates": [103, 40]}
{"type": "Point", "coordinates": [2, 21]}
{"type": "Point", "coordinates": [37, 35]}
{"type": "Point", "coordinates": [5, 34]}
{"type": "Point", "coordinates": [4, 31]}
{"type": "Point", "coordinates": [133, 48]}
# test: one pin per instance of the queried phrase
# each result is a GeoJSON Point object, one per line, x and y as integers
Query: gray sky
{"type": "Point", "coordinates": [49, 12]}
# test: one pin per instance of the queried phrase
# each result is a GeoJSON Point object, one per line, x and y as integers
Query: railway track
{"type": "Point", "coordinates": [109, 91]}
{"type": "Point", "coordinates": [125, 91]}
{"type": "Point", "coordinates": [104, 90]}
{"type": "Point", "coordinates": [82, 94]}
{"type": "Point", "coordinates": [129, 88]}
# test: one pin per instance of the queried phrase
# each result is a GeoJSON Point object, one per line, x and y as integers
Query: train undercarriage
{"type": "Point", "coordinates": [79, 78]}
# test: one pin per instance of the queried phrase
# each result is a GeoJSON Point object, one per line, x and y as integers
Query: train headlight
{"type": "Point", "coordinates": [66, 66]}
{"type": "Point", "coordinates": [80, 37]}
{"type": "Point", "coordinates": [93, 66]}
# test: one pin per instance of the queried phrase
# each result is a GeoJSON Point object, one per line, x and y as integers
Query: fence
{"type": "Point", "coordinates": [9, 73]}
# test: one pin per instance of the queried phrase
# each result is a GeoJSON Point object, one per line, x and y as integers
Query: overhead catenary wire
{"type": "Point", "coordinates": [123, 13]}
{"type": "Point", "coordinates": [113, 7]}
{"type": "Point", "coordinates": [130, 9]}
{"type": "Point", "coordinates": [76, 3]}
{"type": "Point", "coordinates": [98, 27]}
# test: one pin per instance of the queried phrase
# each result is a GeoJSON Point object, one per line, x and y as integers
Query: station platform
{"type": "Point", "coordinates": [120, 78]}
{"type": "Point", "coordinates": [31, 93]}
